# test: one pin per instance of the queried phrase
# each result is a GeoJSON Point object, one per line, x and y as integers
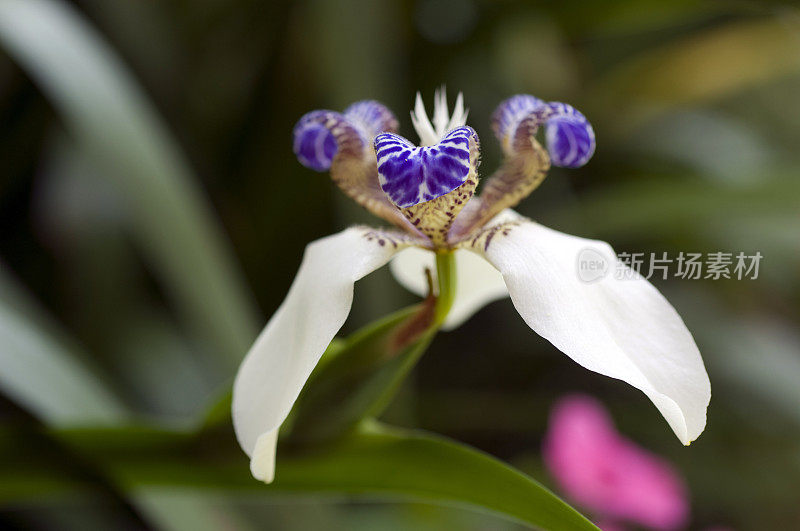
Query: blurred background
{"type": "Point", "coordinates": [152, 216]}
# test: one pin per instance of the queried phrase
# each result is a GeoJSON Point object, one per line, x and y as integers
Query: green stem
{"type": "Point", "coordinates": [446, 279]}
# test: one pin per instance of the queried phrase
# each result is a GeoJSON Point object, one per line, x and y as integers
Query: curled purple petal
{"type": "Point", "coordinates": [568, 134]}
{"type": "Point", "coordinates": [372, 116]}
{"type": "Point", "coordinates": [508, 114]}
{"type": "Point", "coordinates": [410, 175]}
{"type": "Point", "coordinates": [320, 135]}
{"type": "Point", "coordinates": [314, 145]}
{"type": "Point", "coordinates": [314, 142]}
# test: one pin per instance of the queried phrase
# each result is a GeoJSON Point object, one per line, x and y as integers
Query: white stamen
{"type": "Point", "coordinates": [430, 134]}
{"type": "Point", "coordinates": [419, 118]}
{"type": "Point", "coordinates": [440, 114]}
{"type": "Point", "coordinates": [459, 117]}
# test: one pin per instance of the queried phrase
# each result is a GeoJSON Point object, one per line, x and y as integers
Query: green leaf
{"type": "Point", "coordinates": [110, 118]}
{"type": "Point", "coordinates": [45, 374]}
{"type": "Point", "coordinates": [393, 462]}
{"type": "Point", "coordinates": [374, 462]}
{"type": "Point", "coordinates": [360, 375]}
{"type": "Point", "coordinates": [29, 470]}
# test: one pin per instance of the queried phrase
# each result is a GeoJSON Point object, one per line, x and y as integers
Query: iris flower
{"type": "Point", "coordinates": [622, 328]}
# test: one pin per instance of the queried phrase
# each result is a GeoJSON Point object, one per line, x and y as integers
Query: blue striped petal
{"type": "Point", "coordinates": [510, 112]}
{"type": "Point", "coordinates": [314, 145]}
{"type": "Point", "coordinates": [373, 117]}
{"type": "Point", "coordinates": [410, 175]}
{"type": "Point", "coordinates": [568, 134]}
{"type": "Point", "coordinates": [320, 135]}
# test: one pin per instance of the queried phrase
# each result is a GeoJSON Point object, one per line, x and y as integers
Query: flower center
{"type": "Point", "coordinates": [429, 184]}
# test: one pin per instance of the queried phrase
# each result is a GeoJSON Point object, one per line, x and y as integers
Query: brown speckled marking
{"type": "Point", "coordinates": [524, 169]}
{"type": "Point", "coordinates": [355, 170]}
{"type": "Point", "coordinates": [481, 240]}
{"type": "Point", "coordinates": [395, 239]}
{"type": "Point", "coordinates": [435, 217]}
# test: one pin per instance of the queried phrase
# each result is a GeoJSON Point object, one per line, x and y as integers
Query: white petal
{"type": "Point", "coordinates": [262, 462]}
{"type": "Point", "coordinates": [623, 328]}
{"type": "Point", "coordinates": [287, 350]}
{"type": "Point", "coordinates": [422, 125]}
{"type": "Point", "coordinates": [477, 282]}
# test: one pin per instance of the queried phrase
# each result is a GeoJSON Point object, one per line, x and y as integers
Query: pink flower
{"type": "Point", "coordinates": [604, 472]}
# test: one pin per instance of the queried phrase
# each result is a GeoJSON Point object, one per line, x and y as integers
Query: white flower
{"type": "Point", "coordinates": [623, 328]}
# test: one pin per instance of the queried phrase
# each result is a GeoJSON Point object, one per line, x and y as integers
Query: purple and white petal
{"type": "Point", "coordinates": [410, 175]}
{"type": "Point", "coordinates": [373, 117]}
{"type": "Point", "coordinates": [320, 135]}
{"type": "Point", "coordinates": [570, 141]}
{"type": "Point", "coordinates": [342, 143]}
{"type": "Point", "coordinates": [569, 135]}
{"type": "Point", "coordinates": [508, 114]}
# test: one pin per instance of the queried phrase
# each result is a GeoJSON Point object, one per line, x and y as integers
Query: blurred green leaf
{"type": "Point", "coordinates": [717, 146]}
{"type": "Point", "coordinates": [179, 510]}
{"type": "Point", "coordinates": [112, 120]}
{"type": "Point", "coordinates": [146, 356]}
{"type": "Point", "coordinates": [650, 207]}
{"type": "Point", "coordinates": [761, 357]}
{"type": "Point", "coordinates": [756, 353]}
{"type": "Point", "coordinates": [625, 17]}
{"type": "Point", "coordinates": [44, 374]}
{"type": "Point", "coordinates": [33, 468]}
{"type": "Point", "coordinates": [707, 65]}
{"type": "Point", "coordinates": [384, 461]}
{"type": "Point", "coordinates": [375, 461]}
